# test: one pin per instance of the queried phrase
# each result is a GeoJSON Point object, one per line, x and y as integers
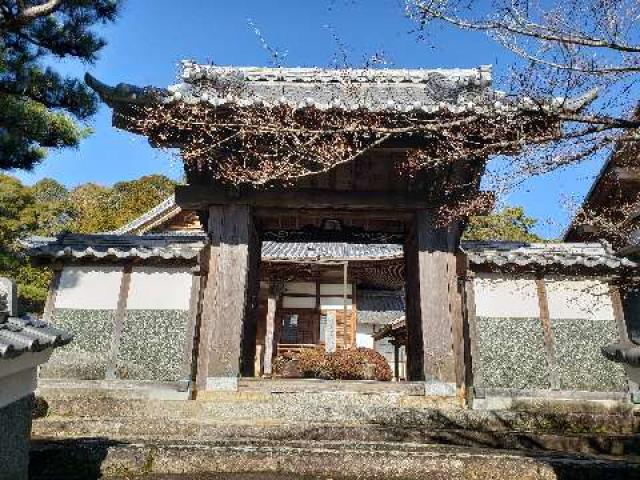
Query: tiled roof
{"type": "Point", "coordinates": [20, 335]}
{"type": "Point", "coordinates": [163, 210]}
{"type": "Point", "coordinates": [394, 329]}
{"type": "Point", "coordinates": [329, 250]}
{"type": "Point", "coordinates": [118, 246]}
{"type": "Point", "coordinates": [501, 253]}
{"type": "Point", "coordinates": [456, 90]}
{"type": "Point", "coordinates": [379, 307]}
{"type": "Point", "coordinates": [429, 91]}
{"type": "Point", "coordinates": [182, 245]}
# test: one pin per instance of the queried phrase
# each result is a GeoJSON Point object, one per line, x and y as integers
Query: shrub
{"type": "Point", "coordinates": [347, 364]}
{"type": "Point", "coordinates": [343, 364]}
{"type": "Point", "coordinates": [382, 370]}
{"type": "Point", "coordinates": [312, 363]}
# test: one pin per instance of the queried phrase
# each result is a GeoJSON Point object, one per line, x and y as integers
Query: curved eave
{"type": "Point", "coordinates": [124, 96]}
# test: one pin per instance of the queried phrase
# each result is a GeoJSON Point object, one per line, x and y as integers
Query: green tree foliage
{"type": "Point", "coordinates": [100, 209]}
{"type": "Point", "coordinates": [47, 208]}
{"type": "Point", "coordinates": [39, 108]}
{"type": "Point", "coordinates": [510, 223]}
{"type": "Point", "coordinates": [54, 208]}
{"type": "Point", "coordinates": [18, 219]}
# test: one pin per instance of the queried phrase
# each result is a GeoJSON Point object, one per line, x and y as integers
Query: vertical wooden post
{"type": "Point", "coordinates": [457, 272]}
{"type": "Point", "coordinates": [50, 303]}
{"type": "Point", "coordinates": [618, 312]}
{"type": "Point", "coordinates": [396, 361]}
{"type": "Point", "coordinates": [118, 323]}
{"type": "Point", "coordinates": [414, 368]}
{"type": "Point", "coordinates": [431, 272]}
{"type": "Point", "coordinates": [475, 370]}
{"type": "Point", "coordinates": [269, 334]}
{"type": "Point", "coordinates": [228, 300]}
{"type": "Point", "coordinates": [345, 325]}
{"type": "Point", "coordinates": [623, 332]}
{"type": "Point", "coordinates": [188, 352]}
{"type": "Point", "coordinates": [250, 322]}
{"type": "Point", "coordinates": [549, 342]}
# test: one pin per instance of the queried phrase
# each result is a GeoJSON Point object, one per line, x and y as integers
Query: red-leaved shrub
{"type": "Point", "coordinates": [382, 370]}
{"type": "Point", "coordinates": [343, 364]}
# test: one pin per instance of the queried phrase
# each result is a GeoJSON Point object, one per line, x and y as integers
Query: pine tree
{"type": "Point", "coordinates": [39, 107]}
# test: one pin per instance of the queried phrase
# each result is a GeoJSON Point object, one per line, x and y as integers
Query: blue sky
{"type": "Point", "coordinates": [152, 36]}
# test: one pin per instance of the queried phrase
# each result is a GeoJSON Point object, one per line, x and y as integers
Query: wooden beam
{"type": "Point", "coordinates": [627, 174]}
{"type": "Point", "coordinates": [118, 323]}
{"type": "Point", "coordinates": [547, 331]}
{"type": "Point", "coordinates": [197, 197]}
{"type": "Point", "coordinates": [304, 213]}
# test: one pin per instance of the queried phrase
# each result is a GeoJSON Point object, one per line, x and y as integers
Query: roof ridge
{"type": "Point", "coordinates": [163, 207]}
{"type": "Point", "coordinates": [192, 70]}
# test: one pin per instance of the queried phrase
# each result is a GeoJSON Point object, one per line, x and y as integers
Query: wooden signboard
{"type": "Point", "coordinates": [330, 333]}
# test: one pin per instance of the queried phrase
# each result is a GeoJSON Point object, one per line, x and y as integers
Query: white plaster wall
{"type": "Point", "coordinates": [364, 335]}
{"type": "Point", "coordinates": [334, 303]}
{"type": "Point", "coordinates": [577, 298]}
{"type": "Point", "coordinates": [499, 295]}
{"type": "Point", "coordinates": [298, 302]}
{"type": "Point", "coordinates": [334, 289]}
{"type": "Point", "coordinates": [155, 288]}
{"type": "Point", "coordinates": [308, 288]}
{"type": "Point", "coordinates": [89, 287]}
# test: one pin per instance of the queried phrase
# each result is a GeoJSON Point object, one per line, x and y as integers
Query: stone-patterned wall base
{"type": "Point", "coordinates": [513, 356]}
{"type": "Point", "coordinates": [152, 345]}
{"type": "Point", "coordinates": [580, 364]}
{"type": "Point", "coordinates": [86, 357]}
{"type": "Point", "coordinates": [15, 431]}
{"type": "Point", "coordinates": [512, 353]}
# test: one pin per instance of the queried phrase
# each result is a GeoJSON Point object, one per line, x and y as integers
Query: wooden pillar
{"type": "Point", "coordinates": [229, 298]}
{"type": "Point", "coordinates": [473, 361]}
{"type": "Point", "coordinates": [269, 339]}
{"type": "Point", "coordinates": [345, 319]}
{"type": "Point", "coordinates": [547, 332]}
{"type": "Point", "coordinates": [189, 352]}
{"type": "Point", "coordinates": [623, 334]}
{"type": "Point", "coordinates": [118, 323]}
{"type": "Point", "coordinates": [50, 302]}
{"type": "Point", "coordinates": [431, 273]}
{"type": "Point", "coordinates": [396, 360]}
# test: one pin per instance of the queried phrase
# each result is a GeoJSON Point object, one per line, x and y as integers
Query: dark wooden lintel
{"type": "Point", "coordinates": [197, 197]}
{"type": "Point", "coordinates": [627, 174]}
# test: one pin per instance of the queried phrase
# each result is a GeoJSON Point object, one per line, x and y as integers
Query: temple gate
{"type": "Point", "coordinates": [368, 156]}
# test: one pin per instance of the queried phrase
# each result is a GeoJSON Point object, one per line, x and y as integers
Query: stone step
{"type": "Point", "coordinates": [126, 428]}
{"type": "Point", "coordinates": [334, 408]}
{"type": "Point", "coordinates": [100, 458]}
